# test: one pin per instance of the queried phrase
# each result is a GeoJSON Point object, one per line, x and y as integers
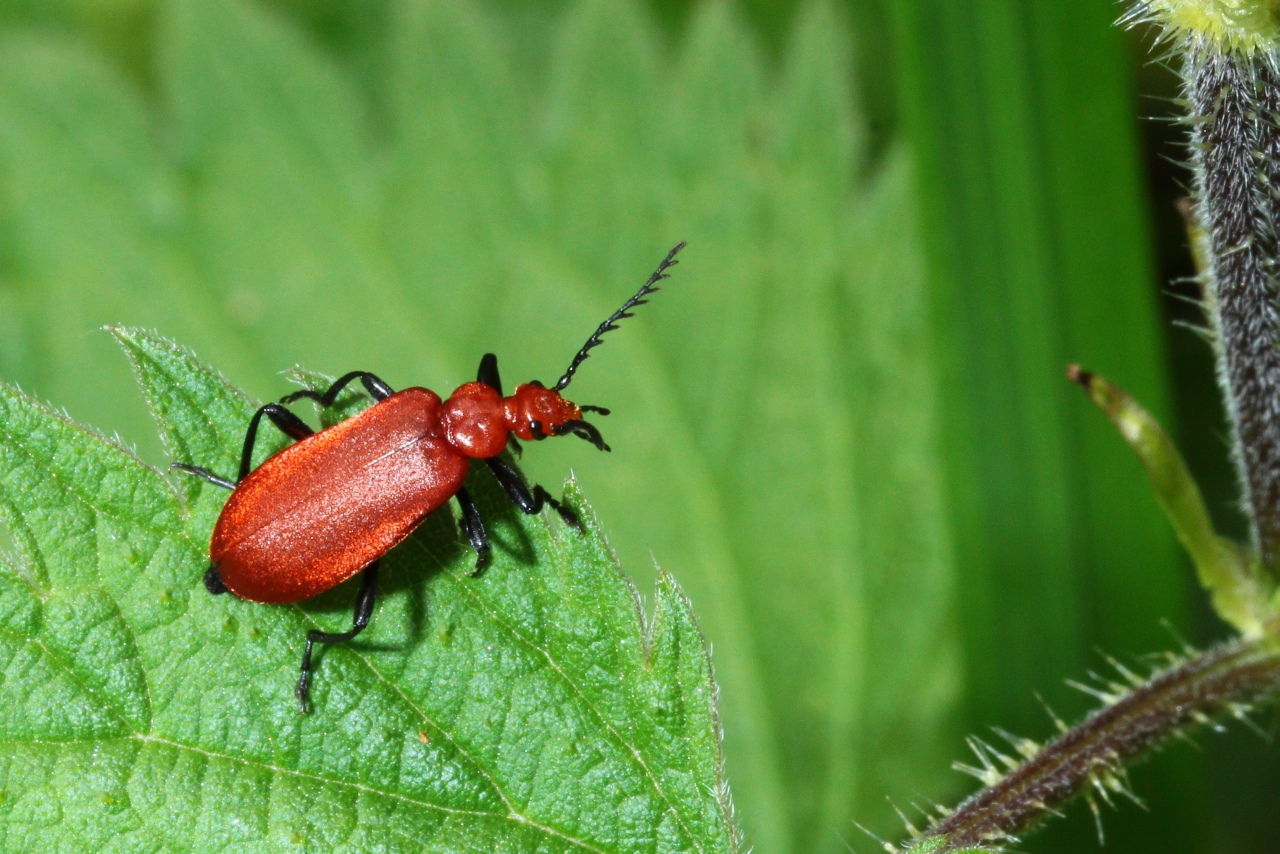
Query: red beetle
{"type": "Point", "coordinates": [331, 505]}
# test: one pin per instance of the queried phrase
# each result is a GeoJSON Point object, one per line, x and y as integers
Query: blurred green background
{"type": "Point", "coordinates": [842, 426]}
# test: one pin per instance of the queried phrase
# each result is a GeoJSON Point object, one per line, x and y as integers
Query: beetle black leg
{"type": "Point", "coordinates": [377, 389]}
{"type": "Point", "coordinates": [528, 502]}
{"type": "Point", "coordinates": [488, 373]}
{"type": "Point", "coordinates": [204, 473]}
{"type": "Point", "coordinates": [363, 611]}
{"type": "Point", "coordinates": [291, 425]}
{"type": "Point", "coordinates": [473, 527]}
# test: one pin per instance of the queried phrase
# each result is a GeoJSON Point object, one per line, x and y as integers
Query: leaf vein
{"type": "Point", "coordinates": [591, 707]}
{"type": "Point", "coordinates": [512, 816]}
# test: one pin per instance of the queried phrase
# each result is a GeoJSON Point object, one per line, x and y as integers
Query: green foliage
{"type": "Point", "coordinates": [437, 188]}
{"type": "Point", "coordinates": [814, 434]}
{"type": "Point", "coordinates": [534, 708]}
{"type": "Point", "coordinates": [1021, 119]}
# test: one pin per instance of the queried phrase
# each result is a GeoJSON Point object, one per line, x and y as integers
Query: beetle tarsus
{"type": "Point", "coordinates": [529, 501]}
{"type": "Point", "coordinates": [363, 612]}
{"type": "Point", "coordinates": [541, 496]}
{"type": "Point", "coordinates": [372, 383]}
{"type": "Point", "coordinates": [304, 681]}
{"type": "Point", "coordinates": [202, 473]}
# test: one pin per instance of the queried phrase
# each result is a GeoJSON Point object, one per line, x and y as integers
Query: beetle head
{"type": "Point", "coordinates": [536, 412]}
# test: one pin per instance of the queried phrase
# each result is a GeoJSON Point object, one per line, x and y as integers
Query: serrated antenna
{"type": "Point", "coordinates": [621, 314]}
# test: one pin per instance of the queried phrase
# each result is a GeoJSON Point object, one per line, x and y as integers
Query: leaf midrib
{"type": "Point", "coordinates": [185, 539]}
{"type": "Point", "coordinates": [512, 816]}
{"type": "Point", "coordinates": [109, 707]}
{"type": "Point", "coordinates": [630, 749]}
{"type": "Point", "coordinates": [488, 610]}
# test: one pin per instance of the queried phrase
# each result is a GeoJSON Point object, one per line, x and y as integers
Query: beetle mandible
{"type": "Point", "coordinates": [329, 506]}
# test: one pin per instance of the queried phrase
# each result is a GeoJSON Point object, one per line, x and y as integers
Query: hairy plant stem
{"type": "Point", "coordinates": [1092, 755]}
{"type": "Point", "coordinates": [1234, 98]}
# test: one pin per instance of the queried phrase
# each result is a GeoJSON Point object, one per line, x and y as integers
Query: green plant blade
{"type": "Point", "coordinates": [284, 209]}
{"type": "Point", "coordinates": [912, 639]}
{"type": "Point", "coordinates": [463, 197]}
{"type": "Point", "coordinates": [88, 198]}
{"type": "Point", "coordinates": [457, 111]}
{"type": "Point", "coordinates": [811, 641]}
{"type": "Point", "coordinates": [1020, 118]}
{"type": "Point", "coordinates": [534, 708]}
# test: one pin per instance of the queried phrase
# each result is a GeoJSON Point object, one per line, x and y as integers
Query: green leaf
{"type": "Point", "coordinates": [533, 708]}
{"type": "Point", "coordinates": [905, 536]}
{"type": "Point", "coordinates": [476, 192]}
{"type": "Point", "coordinates": [457, 147]}
{"type": "Point", "coordinates": [1020, 116]}
{"type": "Point", "coordinates": [284, 190]}
{"type": "Point", "coordinates": [799, 391]}
{"type": "Point", "coordinates": [87, 198]}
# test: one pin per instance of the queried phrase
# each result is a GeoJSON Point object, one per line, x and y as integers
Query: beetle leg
{"type": "Point", "coordinates": [204, 473]}
{"type": "Point", "coordinates": [528, 501]}
{"type": "Point", "coordinates": [377, 389]}
{"type": "Point", "coordinates": [488, 373]}
{"type": "Point", "coordinates": [291, 425]}
{"type": "Point", "coordinates": [363, 611]}
{"type": "Point", "coordinates": [473, 527]}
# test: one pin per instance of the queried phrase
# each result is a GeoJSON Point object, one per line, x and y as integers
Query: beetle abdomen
{"type": "Point", "coordinates": [323, 509]}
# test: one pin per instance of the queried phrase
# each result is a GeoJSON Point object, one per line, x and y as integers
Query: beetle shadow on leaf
{"type": "Point", "coordinates": [404, 572]}
{"type": "Point", "coordinates": [508, 539]}
{"type": "Point", "coordinates": [503, 520]}
{"type": "Point", "coordinates": [408, 569]}
{"type": "Point", "coordinates": [413, 565]}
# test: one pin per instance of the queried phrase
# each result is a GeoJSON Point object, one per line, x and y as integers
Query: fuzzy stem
{"type": "Point", "coordinates": [1234, 98]}
{"type": "Point", "coordinates": [1092, 754]}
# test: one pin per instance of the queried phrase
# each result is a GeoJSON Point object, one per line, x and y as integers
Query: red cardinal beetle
{"type": "Point", "coordinates": [331, 505]}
